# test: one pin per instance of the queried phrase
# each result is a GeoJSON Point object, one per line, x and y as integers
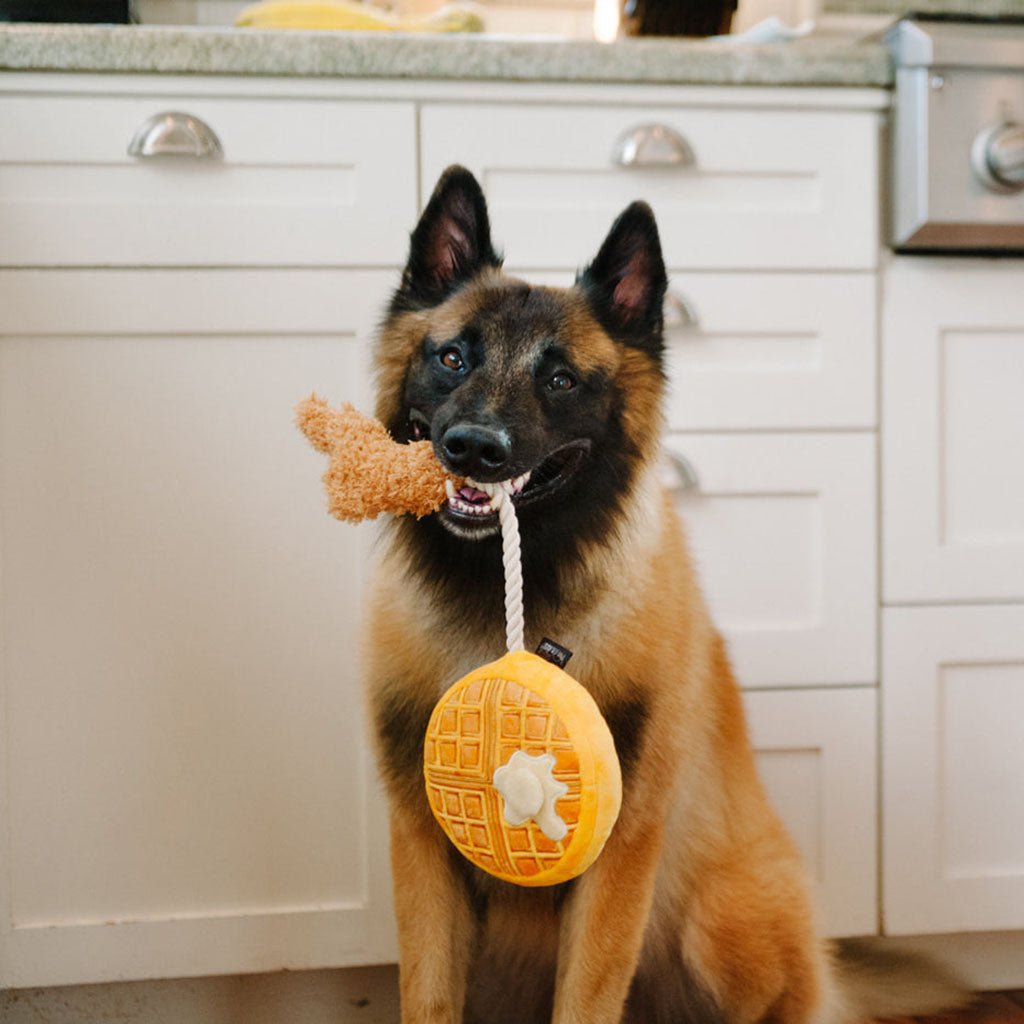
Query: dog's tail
{"type": "Point", "coordinates": [880, 982]}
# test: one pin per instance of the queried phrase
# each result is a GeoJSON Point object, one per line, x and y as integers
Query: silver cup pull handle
{"type": "Point", "coordinates": [679, 313]}
{"type": "Point", "coordinates": [678, 472]}
{"type": "Point", "coordinates": [172, 133]}
{"type": "Point", "coordinates": [652, 145]}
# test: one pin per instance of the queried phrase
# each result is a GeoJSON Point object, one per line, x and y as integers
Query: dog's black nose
{"type": "Point", "coordinates": [476, 450]}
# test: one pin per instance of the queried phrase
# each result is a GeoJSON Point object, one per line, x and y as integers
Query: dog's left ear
{"type": "Point", "coordinates": [452, 241]}
{"type": "Point", "coordinates": [625, 285]}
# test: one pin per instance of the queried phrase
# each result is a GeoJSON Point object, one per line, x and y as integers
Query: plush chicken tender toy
{"type": "Point", "coordinates": [519, 764]}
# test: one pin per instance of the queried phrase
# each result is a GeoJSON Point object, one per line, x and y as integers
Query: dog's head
{"type": "Point", "coordinates": [556, 389]}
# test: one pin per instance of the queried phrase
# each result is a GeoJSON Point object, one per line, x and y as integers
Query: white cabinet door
{"type": "Point", "coordinates": [782, 528]}
{"type": "Point", "coordinates": [298, 182]}
{"type": "Point", "coordinates": [775, 189]}
{"type": "Point", "coordinates": [187, 785]}
{"type": "Point", "coordinates": [765, 351]}
{"type": "Point", "coordinates": [816, 755]}
{"type": "Point", "coordinates": [953, 434]}
{"type": "Point", "coordinates": [953, 768]}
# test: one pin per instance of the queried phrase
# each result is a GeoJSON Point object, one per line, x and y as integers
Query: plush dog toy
{"type": "Point", "coordinates": [369, 473]}
{"type": "Point", "coordinates": [519, 764]}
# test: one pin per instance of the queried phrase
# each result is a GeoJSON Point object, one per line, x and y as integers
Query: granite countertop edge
{"type": "Point", "coordinates": [225, 51]}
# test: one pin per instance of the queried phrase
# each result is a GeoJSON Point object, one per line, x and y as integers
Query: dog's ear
{"type": "Point", "coordinates": [451, 243]}
{"type": "Point", "coordinates": [625, 285]}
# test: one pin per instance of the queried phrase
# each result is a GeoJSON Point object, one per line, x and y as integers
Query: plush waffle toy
{"type": "Point", "coordinates": [520, 767]}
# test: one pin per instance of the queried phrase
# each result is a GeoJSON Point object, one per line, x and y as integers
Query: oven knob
{"type": "Point", "coordinates": [997, 157]}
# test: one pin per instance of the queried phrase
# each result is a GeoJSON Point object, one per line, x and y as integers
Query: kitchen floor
{"type": "Point", "coordinates": [365, 995]}
{"type": "Point", "coordinates": [991, 1008]}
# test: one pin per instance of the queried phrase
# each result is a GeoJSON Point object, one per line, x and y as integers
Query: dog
{"type": "Point", "coordinates": [697, 910]}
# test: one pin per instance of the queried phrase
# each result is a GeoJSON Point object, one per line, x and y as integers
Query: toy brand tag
{"type": "Point", "coordinates": [555, 653]}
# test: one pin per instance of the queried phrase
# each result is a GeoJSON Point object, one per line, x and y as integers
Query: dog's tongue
{"type": "Point", "coordinates": [468, 493]}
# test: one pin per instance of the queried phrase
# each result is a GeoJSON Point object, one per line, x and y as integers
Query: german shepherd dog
{"type": "Point", "coordinates": [697, 909]}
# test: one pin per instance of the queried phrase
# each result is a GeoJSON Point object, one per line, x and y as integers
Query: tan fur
{"type": "Point", "coordinates": [698, 871]}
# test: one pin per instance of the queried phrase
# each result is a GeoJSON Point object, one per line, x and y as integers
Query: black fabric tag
{"type": "Point", "coordinates": [555, 653]}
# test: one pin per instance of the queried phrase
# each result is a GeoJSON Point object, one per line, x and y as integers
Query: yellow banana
{"type": "Point", "coordinates": [353, 17]}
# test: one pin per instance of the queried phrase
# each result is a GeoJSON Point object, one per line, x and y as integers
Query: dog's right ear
{"type": "Point", "coordinates": [451, 243]}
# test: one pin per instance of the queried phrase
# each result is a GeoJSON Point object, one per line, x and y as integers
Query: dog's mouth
{"type": "Point", "coordinates": [469, 508]}
{"type": "Point", "coordinates": [469, 511]}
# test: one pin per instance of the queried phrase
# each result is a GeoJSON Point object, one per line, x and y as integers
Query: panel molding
{"type": "Point", "coordinates": [833, 644]}
{"type": "Point", "coordinates": [143, 909]}
{"type": "Point", "coordinates": [925, 304]}
{"type": "Point", "coordinates": [838, 727]}
{"type": "Point", "coordinates": [922, 892]}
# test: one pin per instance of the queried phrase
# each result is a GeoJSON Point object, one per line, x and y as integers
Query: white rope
{"type": "Point", "coordinates": [501, 499]}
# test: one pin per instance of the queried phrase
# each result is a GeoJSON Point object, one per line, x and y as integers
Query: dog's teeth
{"type": "Point", "coordinates": [520, 482]}
{"type": "Point", "coordinates": [467, 507]}
{"type": "Point", "coordinates": [449, 488]}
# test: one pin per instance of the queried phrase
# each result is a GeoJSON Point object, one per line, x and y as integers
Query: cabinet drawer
{"type": "Point", "coordinates": [782, 529]}
{"type": "Point", "coordinates": [299, 182]}
{"type": "Point", "coordinates": [953, 441]}
{"type": "Point", "coordinates": [773, 189]}
{"type": "Point", "coordinates": [953, 818]}
{"type": "Point", "coordinates": [766, 351]}
{"type": "Point", "coordinates": [815, 752]}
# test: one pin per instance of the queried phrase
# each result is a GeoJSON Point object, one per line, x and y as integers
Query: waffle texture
{"type": "Point", "coordinates": [521, 702]}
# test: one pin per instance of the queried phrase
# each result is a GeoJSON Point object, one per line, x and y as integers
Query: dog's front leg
{"type": "Point", "coordinates": [435, 923]}
{"type": "Point", "coordinates": [602, 929]}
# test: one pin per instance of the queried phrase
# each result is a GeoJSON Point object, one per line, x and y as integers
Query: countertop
{"type": "Point", "coordinates": [834, 59]}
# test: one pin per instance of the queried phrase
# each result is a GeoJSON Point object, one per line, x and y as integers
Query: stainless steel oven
{"type": "Point", "coordinates": [957, 180]}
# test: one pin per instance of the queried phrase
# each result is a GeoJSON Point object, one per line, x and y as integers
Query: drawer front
{"type": "Point", "coordinates": [815, 752]}
{"type": "Point", "coordinates": [953, 440]}
{"type": "Point", "coordinates": [773, 189]}
{"type": "Point", "coordinates": [766, 351]}
{"type": "Point", "coordinates": [299, 183]}
{"type": "Point", "coordinates": [782, 530]}
{"type": "Point", "coordinates": [953, 818]}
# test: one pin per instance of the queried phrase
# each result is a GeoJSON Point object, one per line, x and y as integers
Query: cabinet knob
{"type": "Point", "coordinates": [678, 312]}
{"type": "Point", "coordinates": [172, 133]}
{"type": "Point", "coordinates": [652, 145]}
{"type": "Point", "coordinates": [997, 156]}
{"type": "Point", "coordinates": [679, 474]}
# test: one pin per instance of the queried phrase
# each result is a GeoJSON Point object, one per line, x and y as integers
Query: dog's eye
{"type": "Point", "coordinates": [561, 382]}
{"type": "Point", "coordinates": [451, 359]}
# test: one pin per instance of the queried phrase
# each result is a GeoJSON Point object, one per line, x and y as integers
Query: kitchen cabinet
{"type": "Point", "coordinates": [953, 445]}
{"type": "Point", "coordinates": [953, 818]}
{"type": "Point", "coordinates": [189, 787]}
{"type": "Point", "coordinates": [291, 183]}
{"type": "Point", "coordinates": [764, 351]}
{"type": "Point", "coordinates": [782, 532]}
{"type": "Point", "coordinates": [733, 188]}
{"type": "Point", "coordinates": [953, 572]}
{"type": "Point", "coordinates": [816, 755]}
{"type": "Point", "coordinates": [771, 351]}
